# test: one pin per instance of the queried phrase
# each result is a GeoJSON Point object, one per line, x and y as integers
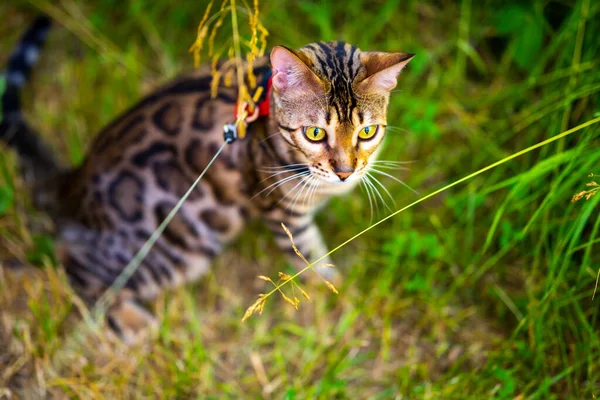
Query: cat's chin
{"type": "Point", "coordinates": [332, 182]}
{"type": "Point", "coordinates": [339, 187]}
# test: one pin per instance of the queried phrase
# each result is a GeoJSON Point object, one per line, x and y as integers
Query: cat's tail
{"type": "Point", "coordinates": [36, 158]}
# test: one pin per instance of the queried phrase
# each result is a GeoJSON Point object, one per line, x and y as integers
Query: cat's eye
{"type": "Point", "coordinates": [314, 134]}
{"type": "Point", "coordinates": [368, 132]}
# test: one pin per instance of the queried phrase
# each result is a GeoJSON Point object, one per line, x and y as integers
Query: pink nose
{"type": "Point", "coordinates": [343, 175]}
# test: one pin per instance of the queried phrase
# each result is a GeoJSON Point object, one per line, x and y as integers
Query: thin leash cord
{"type": "Point", "coordinates": [94, 319]}
{"type": "Point", "coordinates": [108, 296]}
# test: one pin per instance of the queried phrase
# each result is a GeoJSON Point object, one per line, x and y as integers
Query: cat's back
{"type": "Point", "coordinates": [145, 160]}
{"type": "Point", "coordinates": [166, 119]}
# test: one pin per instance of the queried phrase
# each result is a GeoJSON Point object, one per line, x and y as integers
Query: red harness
{"type": "Point", "coordinates": [264, 106]}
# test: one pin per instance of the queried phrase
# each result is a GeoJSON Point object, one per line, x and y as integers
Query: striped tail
{"type": "Point", "coordinates": [37, 160]}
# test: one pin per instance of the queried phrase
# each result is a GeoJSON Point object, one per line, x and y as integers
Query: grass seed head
{"type": "Point", "coordinates": [287, 231]}
{"type": "Point", "coordinates": [284, 277]}
{"type": "Point", "coordinates": [306, 296]}
{"type": "Point", "coordinates": [589, 193]}
{"type": "Point", "coordinates": [237, 46]}
{"type": "Point", "coordinates": [294, 302]}
{"type": "Point", "coordinates": [257, 306]}
{"type": "Point", "coordinates": [331, 287]}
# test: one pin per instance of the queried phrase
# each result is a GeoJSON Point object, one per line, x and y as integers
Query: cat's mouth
{"type": "Point", "coordinates": [337, 178]}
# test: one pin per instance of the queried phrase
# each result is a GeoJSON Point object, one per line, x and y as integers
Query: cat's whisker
{"type": "Point", "coordinates": [384, 188]}
{"type": "Point", "coordinates": [392, 162]}
{"type": "Point", "coordinates": [372, 198]}
{"type": "Point", "coordinates": [306, 189]}
{"type": "Point", "coordinates": [278, 183]}
{"type": "Point", "coordinates": [280, 167]}
{"type": "Point", "coordinates": [274, 173]}
{"type": "Point", "coordinates": [393, 167]}
{"type": "Point", "coordinates": [370, 187]}
{"type": "Point", "coordinates": [363, 183]}
{"type": "Point", "coordinates": [315, 190]}
{"type": "Point", "coordinates": [282, 172]}
{"type": "Point", "coordinates": [270, 136]}
{"type": "Point", "coordinates": [312, 191]}
{"type": "Point", "coordinates": [292, 190]}
{"type": "Point", "coordinates": [378, 193]}
{"type": "Point", "coordinates": [397, 129]}
{"type": "Point", "coordinates": [388, 164]}
{"type": "Point", "coordinates": [310, 185]}
{"type": "Point", "coordinates": [303, 182]}
{"type": "Point", "coordinates": [302, 176]}
{"type": "Point", "coordinates": [394, 178]}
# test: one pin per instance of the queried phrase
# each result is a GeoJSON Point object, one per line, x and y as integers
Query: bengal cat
{"type": "Point", "coordinates": [327, 119]}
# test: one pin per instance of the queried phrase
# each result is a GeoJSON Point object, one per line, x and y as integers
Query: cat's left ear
{"type": "Point", "coordinates": [291, 73]}
{"type": "Point", "coordinates": [382, 70]}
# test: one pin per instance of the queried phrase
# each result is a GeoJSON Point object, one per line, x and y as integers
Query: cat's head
{"type": "Point", "coordinates": [331, 103]}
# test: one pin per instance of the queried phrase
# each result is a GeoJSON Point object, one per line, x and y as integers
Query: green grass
{"type": "Point", "coordinates": [484, 291]}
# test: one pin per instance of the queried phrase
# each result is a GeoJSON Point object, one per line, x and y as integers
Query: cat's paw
{"type": "Point", "coordinates": [131, 321]}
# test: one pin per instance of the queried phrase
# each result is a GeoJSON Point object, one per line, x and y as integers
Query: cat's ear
{"type": "Point", "coordinates": [291, 74]}
{"type": "Point", "coordinates": [382, 70]}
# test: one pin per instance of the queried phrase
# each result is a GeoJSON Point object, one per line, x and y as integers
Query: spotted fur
{"type": "Point", "coordinates": [141, 164]}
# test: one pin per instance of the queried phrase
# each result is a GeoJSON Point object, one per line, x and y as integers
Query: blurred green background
{"type": "Point", "coordinates": [484, 291]}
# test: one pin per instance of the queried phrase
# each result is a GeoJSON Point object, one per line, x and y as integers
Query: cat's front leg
{"type": "Point", "coordinates": [308, 240]}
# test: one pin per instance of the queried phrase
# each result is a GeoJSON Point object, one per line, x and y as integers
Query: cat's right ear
{"type": "Point", "coordinates": [382, 70]}
{"type": "Point", "coordinates": [291, 74]}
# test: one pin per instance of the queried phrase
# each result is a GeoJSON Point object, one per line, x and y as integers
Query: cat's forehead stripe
{"type": "Point", "coordinates": [335, 61]}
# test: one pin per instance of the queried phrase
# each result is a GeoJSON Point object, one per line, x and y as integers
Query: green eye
{"type": "Point", "coordinates": [314, 134]}
{"type": "Point", "coordinates": [368, 132]}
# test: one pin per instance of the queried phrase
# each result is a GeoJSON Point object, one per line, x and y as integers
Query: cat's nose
{"type": "Point", "coordinates": [343, 175]}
